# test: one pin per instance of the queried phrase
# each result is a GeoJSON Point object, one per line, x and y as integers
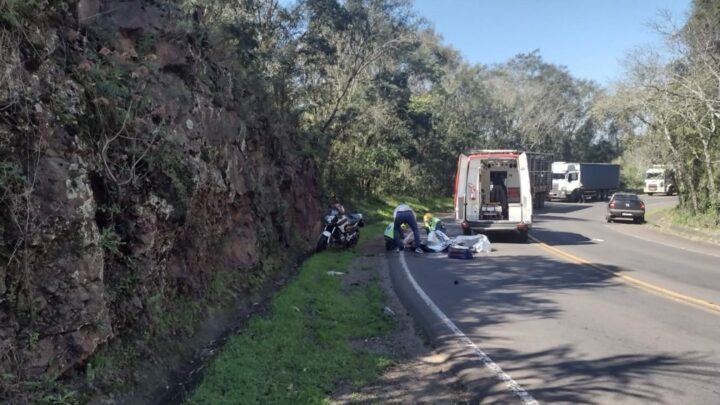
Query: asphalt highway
{"type": "Point", "coordinates": [587, 312]}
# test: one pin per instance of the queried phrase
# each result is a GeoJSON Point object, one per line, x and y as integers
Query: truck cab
{"type": "Point", "coordinates": [565, 180]}
{"type": "Point", "coordinates": [659, 179]}
{"type": "Point", "coordinates": [493, 192]}
{"type": "Point", "coordinates": [583, 181]}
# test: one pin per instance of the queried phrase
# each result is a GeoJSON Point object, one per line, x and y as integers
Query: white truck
{"type": "Point", "coordinates": [659, 179]}
{"type": "Point", "coordinates": [582, 181]}
{"type": "Point", "coordinates": [493, 190]}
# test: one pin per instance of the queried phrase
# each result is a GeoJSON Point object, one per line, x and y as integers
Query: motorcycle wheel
{"type": "Point", "coordinates": [322, 243]}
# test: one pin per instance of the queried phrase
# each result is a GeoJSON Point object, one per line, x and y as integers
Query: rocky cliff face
{"type": "Point", "coordinates": [133, 167]}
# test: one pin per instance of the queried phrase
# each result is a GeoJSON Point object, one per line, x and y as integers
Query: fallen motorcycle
{"type": "Point", "coordinates": [340, 229]}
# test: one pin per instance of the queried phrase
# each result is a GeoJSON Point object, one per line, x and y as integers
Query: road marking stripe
{"type": "Point", "coordinates": [639, 283]}
{"type": "Point", "coordinates": [662, 243]}
{"type": "Point", "coordinates": [519, 391]}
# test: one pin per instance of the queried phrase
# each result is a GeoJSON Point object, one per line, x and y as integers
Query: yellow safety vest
{"type": "Point", "coordinates": [432, 223]}
{"type": "Point", "coordinates": [390, 231]}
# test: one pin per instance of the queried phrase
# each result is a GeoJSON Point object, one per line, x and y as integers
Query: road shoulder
{"type": "Point", "coordinates": [420, 373]}
{"type": "Point", "coordinates": [459, 355]}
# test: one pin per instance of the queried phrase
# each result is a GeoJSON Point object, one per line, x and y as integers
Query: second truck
{"type": "Point", "coordinates": [659, 179]}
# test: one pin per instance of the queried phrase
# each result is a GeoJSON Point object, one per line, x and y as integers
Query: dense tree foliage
{"type": "Point", "coordinates": [671, 102]}
{"type": "Point", "coordinates": [385, 106]}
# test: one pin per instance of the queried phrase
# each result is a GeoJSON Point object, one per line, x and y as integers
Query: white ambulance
{"type": "Point", "coordinates": [493, 191]}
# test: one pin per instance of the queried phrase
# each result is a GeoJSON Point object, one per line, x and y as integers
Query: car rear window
{"type": "Point", "coordinates": [626, 197]}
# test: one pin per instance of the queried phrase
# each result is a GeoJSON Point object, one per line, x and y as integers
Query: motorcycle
{"type": "Point", "coordinates": [340, 229]}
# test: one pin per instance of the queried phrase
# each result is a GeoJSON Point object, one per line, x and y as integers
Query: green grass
{"type": "Point", "coordinates": [705, 221]}
{"type": "Point", "coordinates": [382, 209]}
{"type": "Point", "coordinates": [696, 227]}
{"type": "Point", "coordinates": [676, 216]}
{"type": "Point", "coordinates": [654, 214]}
{"type": "Point", "coordinates": [301, 349]}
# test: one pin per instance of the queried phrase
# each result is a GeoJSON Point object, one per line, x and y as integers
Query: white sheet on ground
{"type": "Point", "coordinates": [478, 243]}
{"type": "Point", "coordinates": [483, 245]}
{"type": "Point", "coordinates": [437, 241]}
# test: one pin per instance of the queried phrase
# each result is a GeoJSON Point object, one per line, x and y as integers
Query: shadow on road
{"type": "Point", "coordinates": [508, 289]}
{"type": "Point", "coordinates": [546, 218]}
{"type": "Point", "coordinates": [559, 238]}
{"type": "Point", "coordinates": [565, 208]}
{"type": "Point", "coordinates": [566, 378]}
{"type": "Point", "coordinates": [490, 289]}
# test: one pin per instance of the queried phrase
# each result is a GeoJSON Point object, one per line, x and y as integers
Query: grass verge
{"type": "Point", "coordinates": [655, 214]}
{"type": "Point", "coordinates": [675, 216]}
{"type": "Point", "coordinates": [678, 222]}
{"type": "Point", "coordinates": [301, 349]}
{"type": "Point", "coordinates": [703, 222]}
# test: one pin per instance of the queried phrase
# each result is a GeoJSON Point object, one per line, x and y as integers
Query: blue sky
{"type": "Point", "coordinates": [590, 37]}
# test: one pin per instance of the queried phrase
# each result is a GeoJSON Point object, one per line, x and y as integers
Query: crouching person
{"type": "Point", "coordinates": [403, 214]}
{"type": "Point", "coordinates": [390, 235]}
{"type": "Point", "coordinates": [432, 224]}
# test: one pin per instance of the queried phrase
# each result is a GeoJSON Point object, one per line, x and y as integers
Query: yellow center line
{"type": "Point", "coordinates": [629, 279]}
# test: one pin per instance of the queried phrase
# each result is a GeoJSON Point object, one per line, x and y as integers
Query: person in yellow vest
{"type": "Point", "coordinates": [390, 235]}
{"type": "Point", "coordinates": [432, 223]}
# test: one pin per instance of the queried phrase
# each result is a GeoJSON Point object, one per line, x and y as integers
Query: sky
{"type": "Point", "coordinates": [589, 37]}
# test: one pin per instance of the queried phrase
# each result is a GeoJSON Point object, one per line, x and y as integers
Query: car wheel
{"type": "Point", "coordinates": [650, 194]}
{"type": "Point", "coordinates": [608, 219]}
{"type": "Point", "coordinates": [640, 220]}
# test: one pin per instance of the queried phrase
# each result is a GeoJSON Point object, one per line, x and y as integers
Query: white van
{"type": "Point", "coordinates": [492, 192]}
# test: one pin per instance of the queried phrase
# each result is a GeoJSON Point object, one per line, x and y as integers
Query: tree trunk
{"type": "Point", "coordinates": [685, 175]}
{"type": "Point", "coordinates": [711, 176]}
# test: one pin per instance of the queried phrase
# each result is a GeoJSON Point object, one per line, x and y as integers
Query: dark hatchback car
{"type": "Point", "coordinates": [625, 206]}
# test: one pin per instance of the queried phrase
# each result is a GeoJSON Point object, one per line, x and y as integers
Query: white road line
{"type": "Point", "coordinates": [661, 243]}
{"type": "Point", "coordinates": [519, 391]}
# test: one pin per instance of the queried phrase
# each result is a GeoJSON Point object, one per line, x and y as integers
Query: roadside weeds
{"type": "Point", "coordinates": [663, 220]}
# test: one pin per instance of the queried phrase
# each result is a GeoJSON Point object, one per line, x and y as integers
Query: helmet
{"type": "Point", "coordinates": [339, 207]}
{"type": "Point", "coordinates": [427, 216]}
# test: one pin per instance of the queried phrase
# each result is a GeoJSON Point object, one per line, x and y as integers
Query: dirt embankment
{"type": "Point", "coordinates": [136, 172]}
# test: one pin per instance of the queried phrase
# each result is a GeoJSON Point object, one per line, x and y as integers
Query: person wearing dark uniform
{"type": "Point", "coordinates": [498, 194]}
{"type": "Point", "coordinates": [403, 214]}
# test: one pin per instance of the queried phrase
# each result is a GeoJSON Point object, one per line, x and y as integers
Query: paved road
{"type": "Point", "coordinates": [599, 313]}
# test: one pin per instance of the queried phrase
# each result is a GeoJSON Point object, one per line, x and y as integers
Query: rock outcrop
{"type": "Point", "coordinates": [134, 165]}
